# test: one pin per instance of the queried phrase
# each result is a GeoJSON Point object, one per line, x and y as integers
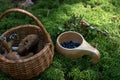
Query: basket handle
{"type": "Point", "coordinates": [45, 33]}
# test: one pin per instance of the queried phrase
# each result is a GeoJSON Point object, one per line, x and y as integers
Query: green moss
{"type": "Point", "coordinates": [88, 74]}
{"type": "Point", "coordinates": [53, 14]}
{"type": "Point", "coordinates": [52, 74]}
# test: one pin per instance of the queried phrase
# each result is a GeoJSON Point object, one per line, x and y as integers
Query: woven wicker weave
{"type": "Point", "coordinates": [33, 66]}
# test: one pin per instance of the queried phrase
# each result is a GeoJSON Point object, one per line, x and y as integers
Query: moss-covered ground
{"type": "Point", "coordinates": [104, 14]}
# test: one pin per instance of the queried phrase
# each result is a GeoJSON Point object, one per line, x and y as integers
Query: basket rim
{"type": "Point", "coordinates": [47, 45]}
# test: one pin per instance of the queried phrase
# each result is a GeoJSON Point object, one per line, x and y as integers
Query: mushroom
{"type": "Point", "coordinates": [28, 44]}
{"type": "Point", "coordinates": [7, 45]}
{"type": "Point", "coordinates": [12, 56]}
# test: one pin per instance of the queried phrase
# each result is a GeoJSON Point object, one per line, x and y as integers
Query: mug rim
{"type": "Point", "coordinates": [58, 42]}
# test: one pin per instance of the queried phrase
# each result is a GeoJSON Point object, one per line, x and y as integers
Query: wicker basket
{"type": "Point", "coordinates": [32, 66]}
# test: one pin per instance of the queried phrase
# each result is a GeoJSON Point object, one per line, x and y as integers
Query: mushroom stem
{"type": "Point", "coordinates": [8, 45]}
{"type": "Point", "coordinates": [5, 43]}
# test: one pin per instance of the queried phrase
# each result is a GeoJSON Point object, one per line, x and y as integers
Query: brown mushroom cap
{"type": "Point", "coordinates": [28, 44]}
